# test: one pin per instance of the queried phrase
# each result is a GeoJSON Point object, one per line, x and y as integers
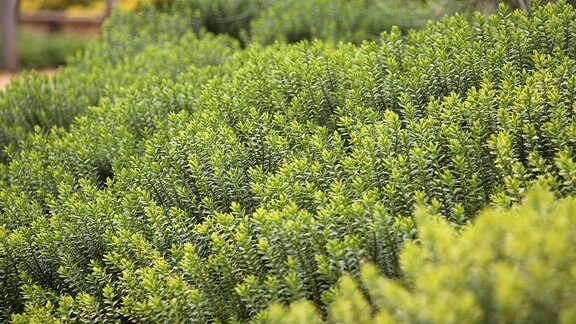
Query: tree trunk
{"type": "Point", "coordinates": [8, 21]}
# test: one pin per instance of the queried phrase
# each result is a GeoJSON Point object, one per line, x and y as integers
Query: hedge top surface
{"type": "Point", "coordinates": [242, 177]}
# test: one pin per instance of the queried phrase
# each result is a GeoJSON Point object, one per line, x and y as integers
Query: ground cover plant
{"type": "Point", "coordinates": [171, 175]}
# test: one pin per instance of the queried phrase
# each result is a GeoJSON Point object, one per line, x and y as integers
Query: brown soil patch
{"type": "Point", "coordinates": [6, 77]}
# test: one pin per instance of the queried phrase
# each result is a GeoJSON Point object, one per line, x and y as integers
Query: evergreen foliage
{"type": "Point", "coordinates": [510, 266]}
{"type": "Point", "coordinates": [293, 20]}
{"type": "Point", "coordinates": [176, 177]}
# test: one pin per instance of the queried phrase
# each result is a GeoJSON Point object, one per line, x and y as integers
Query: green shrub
{"type": "Point", "coordinates": [266, 21]}
{"type": "Point", "coordinates": [509, 266]}
{"type": "Point", "coordinates": [353, 21]}
{"type": "Point", "coordinates": [181, 178]}
{"type": "Point", "coordinates": [110, 64]}
{"type": "Point", "coordinates": [227, 17]}
{"type": "Point", "coordinates": [104, 70]}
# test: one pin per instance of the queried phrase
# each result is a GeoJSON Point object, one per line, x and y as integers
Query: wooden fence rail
{"type": "Point", "coordinates": [49, 21]}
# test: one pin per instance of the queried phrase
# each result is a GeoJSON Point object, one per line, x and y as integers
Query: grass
{"type": "Point", "coordinates": [39, 50]}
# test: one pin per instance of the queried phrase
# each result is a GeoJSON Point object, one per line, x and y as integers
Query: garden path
{"type": "Point", "coordinates": [6, 77]}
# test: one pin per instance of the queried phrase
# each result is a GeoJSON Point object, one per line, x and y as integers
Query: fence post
{"type": "Point", "coordinates": [109, 6]}
{"type": "Point", "coordinates": [8, 21]}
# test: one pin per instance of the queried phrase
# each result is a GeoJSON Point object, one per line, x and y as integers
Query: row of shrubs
{"type": "Point", "coordinates": [108, 63]}
{"type": "Point", "coordinates": [179, 178]}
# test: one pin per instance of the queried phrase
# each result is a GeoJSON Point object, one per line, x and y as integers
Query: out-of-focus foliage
{"type": "Point", "coordinates": [237, 17]}
{"type": "Point", "coordinates": [337, 20]}
{"type": "Point", "coordinates": [40, 50]}
{"type": "Point", "coordinates": [170, 175]}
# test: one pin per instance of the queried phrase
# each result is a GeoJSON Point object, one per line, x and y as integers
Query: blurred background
{"type": "Point", "coordinates": [49, 31]}
{"type": "Point", "coordinates": [41, 34]}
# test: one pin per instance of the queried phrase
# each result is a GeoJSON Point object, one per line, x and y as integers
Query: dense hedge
{"type": "Point", "coordinates": [180, 178]}
{"type": "Point", "coordinates": [509, 267]}
{"type": "Point", "coordinates": [266, 21]}
{"type": "Point", "coordinates": [104, 71]}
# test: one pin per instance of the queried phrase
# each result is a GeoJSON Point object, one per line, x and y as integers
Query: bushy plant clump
{"type": "Point", "coordinates": [513, 266]}
{"type": "Point", "coordinates": [266, 21]}
{"type": "Point", "coordinates": [121, 59]}
{"type": "Point", "coordinates": [117, 60]}
{"type": "Point", "coordinates": [201, 182]}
